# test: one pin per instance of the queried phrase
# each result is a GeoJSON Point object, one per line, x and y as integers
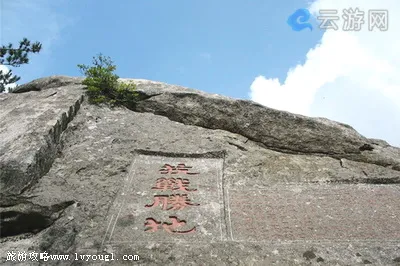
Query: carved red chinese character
{"type": "Point", "coordinates": [164, 184]}
{"type": "Point", "coordinates": [153, 225]}
{"type": "Point", "coordinates": [159, 199]}
{"type": "Point", "coordinates": [177, 201]}
{"type": "Point", "coordinates": [180, 168]}
{"type": "Point", "coordinates": [172, 184]}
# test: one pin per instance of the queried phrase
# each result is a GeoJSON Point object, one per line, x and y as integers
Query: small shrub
{"type": "Point", "coordinates": [103, 86]}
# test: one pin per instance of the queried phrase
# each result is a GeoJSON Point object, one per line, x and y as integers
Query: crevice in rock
{"type": "Point", "coordinates": [16, 223]}
{"type": "Point", "coordinates": [371, 181]}
{"type": "Point", "coordinates": [348, 156]}
{"type": "Point", "coordinates": [54, 93]}
{"type": "Point", "coordinates": [28, 218]}
{"type": "Point", "coordinates": [143, 96]}
{"type": "Point", "coordinates": [237, 146]}
{"type": "Point", "coordinates": [211, 154]}
{"type": "Point", "coordinates": [44, 158]}
{"type": "Point", "coordinates": [80, 169]}
{"type": "Point", "coordinates": [366, 147]}
{"type": "Point", "coordinates": [296, 152]}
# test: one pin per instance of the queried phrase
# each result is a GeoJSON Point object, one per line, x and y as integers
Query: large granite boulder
{"type": "Point", "coordinates": [188, 178]}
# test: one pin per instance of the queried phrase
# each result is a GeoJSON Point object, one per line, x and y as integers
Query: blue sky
{"type": "Point", "coordinates": [242, 49]}
{"type": "Point", "coordinates": [215, 46]}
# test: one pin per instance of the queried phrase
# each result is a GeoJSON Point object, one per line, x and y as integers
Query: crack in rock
{"type": "Point", "coordinates": [26, 217]}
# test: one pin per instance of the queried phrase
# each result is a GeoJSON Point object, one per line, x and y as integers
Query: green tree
{"type": "Point", "coordinates": [103, 86]}
{"type": "Point", "coordinates": [15, 57]}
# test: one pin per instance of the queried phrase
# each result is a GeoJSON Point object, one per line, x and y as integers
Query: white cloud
{"type": "Point", "coordinates": [345, 62]}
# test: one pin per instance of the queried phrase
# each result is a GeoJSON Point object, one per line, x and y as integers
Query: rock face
{"type": "Point", "coordinates": [189, 178]}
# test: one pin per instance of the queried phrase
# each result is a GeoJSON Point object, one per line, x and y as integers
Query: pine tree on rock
{"type": "Point", "coordinates": [15, 57]}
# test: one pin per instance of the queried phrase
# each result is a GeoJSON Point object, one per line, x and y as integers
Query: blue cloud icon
{"type": "Point", "coordinates": [298, 20]}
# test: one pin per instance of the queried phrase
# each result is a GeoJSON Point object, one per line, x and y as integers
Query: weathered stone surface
{"type": "Point", "coordinates": [30, 127]}
{"type": "Point", "coordinates": [315, 212]}
{"type": "Point", "coordinates": [49, 82]}
{"type": "Point", "coordinates": [256, 182]}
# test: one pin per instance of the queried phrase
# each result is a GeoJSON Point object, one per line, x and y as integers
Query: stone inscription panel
{"type": "Point", "coordinates": [315, 212]}
{"type": "Point", "coordinates": [168, 199]}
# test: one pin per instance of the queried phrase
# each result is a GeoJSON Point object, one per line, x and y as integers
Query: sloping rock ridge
{"type": "Point", "coordinates": [188, 178]}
